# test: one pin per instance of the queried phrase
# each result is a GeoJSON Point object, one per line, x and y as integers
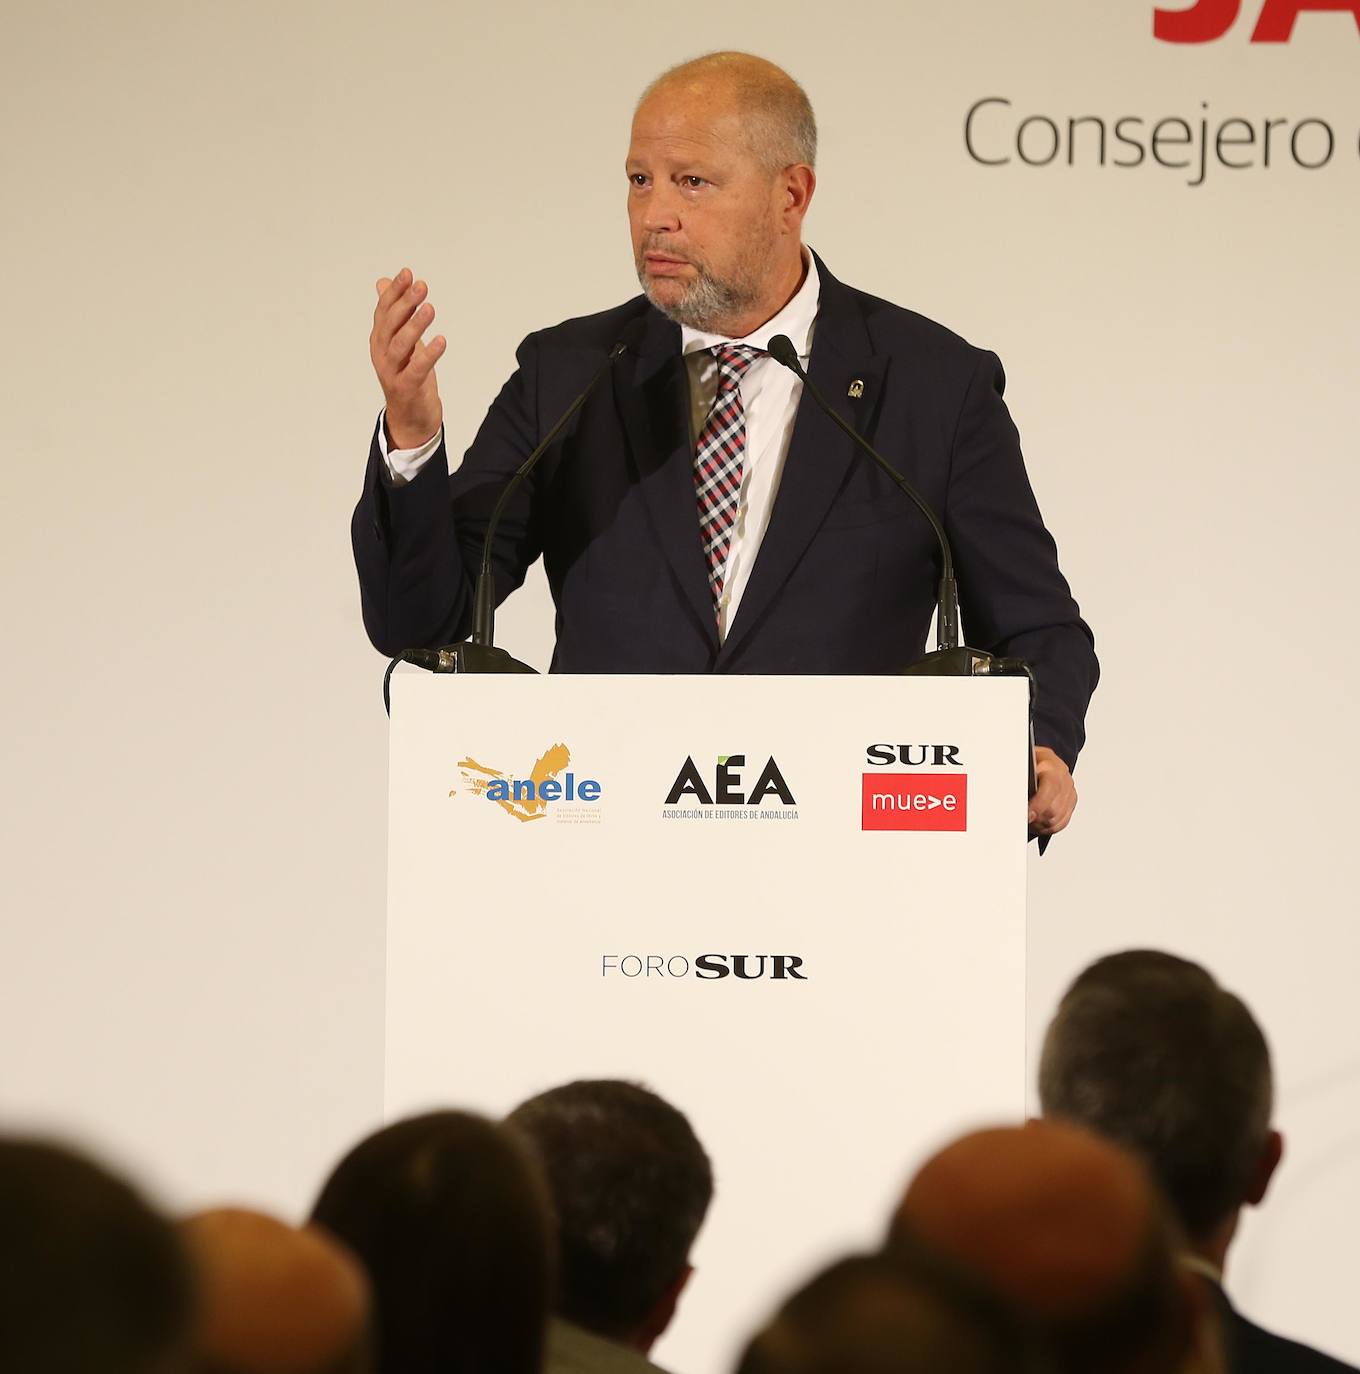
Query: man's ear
{"type": "Point", "coordinates": [662, 1314]}
{"type": "Point", "coordinates": [797, 186]}
{"type": "Point", "coordinates": [1271, 1154]}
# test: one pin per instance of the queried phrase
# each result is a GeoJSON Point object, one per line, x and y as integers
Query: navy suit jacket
{"type": "Point", "coordinates": [846, 577]}
{"type": "Point", "coordinates": [1250, 1349]}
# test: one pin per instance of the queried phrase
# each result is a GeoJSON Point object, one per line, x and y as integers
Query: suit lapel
{"type": "Point", "coordinates": [653, 401]}
{"type": "Point", "coordinates": [820, 455]}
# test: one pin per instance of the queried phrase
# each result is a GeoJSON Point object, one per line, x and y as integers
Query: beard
{"type": "Point", "coordinates": [709, 301]}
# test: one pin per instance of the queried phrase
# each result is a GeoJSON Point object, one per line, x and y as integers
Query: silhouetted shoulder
{"type": "Point", "coordinates": [1253, 1350]}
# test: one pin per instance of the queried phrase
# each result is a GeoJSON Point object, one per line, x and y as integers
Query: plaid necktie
{"type": "Point", "coordinates": [718, 462]}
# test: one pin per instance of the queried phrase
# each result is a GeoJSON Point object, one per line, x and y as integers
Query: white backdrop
{"type": "Point", "coordinates": [199, 198]}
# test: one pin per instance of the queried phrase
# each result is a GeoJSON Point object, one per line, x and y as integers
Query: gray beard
{"type": "Point", "coordinates": [706, 303]}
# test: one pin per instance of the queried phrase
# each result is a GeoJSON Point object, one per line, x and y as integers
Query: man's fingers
{"type": "Point", "coordinates": [395, 303]}
{"type": "Point", "coordinates": [424, 358]}
{"type": "Point", "coordinates": [1041, 803]}
{"type": "Point", "coordinates": [404, 341]}
{"type": "Point", "coordinates": [400, 315]}
{"type": "Point", "coordinates": [1055, 798]}
{"type": "Point", "coordinates": [390, 288]}
{"type": "Point", "coordinates": [1051, 807]}
{"type": "Point", "coordinates": [1052, 826]}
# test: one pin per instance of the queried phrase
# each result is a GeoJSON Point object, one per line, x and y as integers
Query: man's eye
{"type": "Point", "coordinates": [638, 178]}
{"type": "Point", "coordinates": [692, 182]}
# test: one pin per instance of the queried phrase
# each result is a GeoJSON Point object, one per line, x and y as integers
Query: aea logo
{"type": "Point", "coordinates": [692, 788]}
{"type": "Point", "coordinates": [1209, 20]}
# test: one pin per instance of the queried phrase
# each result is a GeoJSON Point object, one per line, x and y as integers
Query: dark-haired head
{"type": "Point", "coordinates": [631, 1185]}
{"type": "Point", "coordinates": [1146, 1049]}
{"type": "Point", "coordinates": [449, 1216]}
{"type": "Point", "coordinates": [899, 1312]}
{"type": "Point", "coordinates": [95, 1281]}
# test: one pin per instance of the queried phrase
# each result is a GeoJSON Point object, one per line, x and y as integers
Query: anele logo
{"type": "Point", "coordinates": [914, 801]}
{"type": "Point", "coordinates": [1211, 19]}
{"type": "Point", "coordinates": [726, 796]}
{"type": "Point", "coordinates": [913, 755]}
{"type": "Point", "coordinates": [529, 799]}
{"type": "Point", "coordinates": [780, 967]}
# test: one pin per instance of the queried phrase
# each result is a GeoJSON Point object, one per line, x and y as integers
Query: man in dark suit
{"type": "Point", "coordinates": [697, 455]}
{"type": "Point", "coordinates": [1148, 1050]}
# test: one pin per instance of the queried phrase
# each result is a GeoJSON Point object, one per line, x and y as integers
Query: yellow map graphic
{"type": "Point", "coordinates": [477, 777]}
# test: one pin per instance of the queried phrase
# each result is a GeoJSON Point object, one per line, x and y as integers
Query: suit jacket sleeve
{"type": "Point", "coordinates": [1013, 598]}
{"type": "Point", "coordinates": [418, 548]}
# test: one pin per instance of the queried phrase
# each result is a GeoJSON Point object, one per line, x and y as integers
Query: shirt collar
{"type": "Point", "coordinates": [795, 319]}
{"type": "Point", "coordinates": [1197, 1264]}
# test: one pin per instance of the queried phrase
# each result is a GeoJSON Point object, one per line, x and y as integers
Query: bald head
{"type": "Point", "coordinates": [275, 1299]}
{"type": "Point", "coordinates": [720, 179]}
{"type": "Point", "coordinates": [770, 110]}
{"type": "Point", "coordinates": [1067, 1227]}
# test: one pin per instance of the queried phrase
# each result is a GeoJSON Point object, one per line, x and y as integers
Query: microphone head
{"type": "Point", "coordinates": [630, 337]}
{"type": "Point", "coordinates": [781, 349]}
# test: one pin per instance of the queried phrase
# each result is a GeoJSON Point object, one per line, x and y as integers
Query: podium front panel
{"type": "Point", "coordinates": [792, 906]}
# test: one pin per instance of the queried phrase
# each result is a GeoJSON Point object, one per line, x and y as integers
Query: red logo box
{"type": "Point", "coordinates": [915, 801]}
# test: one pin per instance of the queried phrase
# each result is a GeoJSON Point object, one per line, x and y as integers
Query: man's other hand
{"type": "Point", "coordinates": [1051, 807]}
{"type": "Point", "coordinates": [404, 364]}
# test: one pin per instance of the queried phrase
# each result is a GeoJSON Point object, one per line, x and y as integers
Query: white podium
{"type": "Point", "coordinates": [792, 906]}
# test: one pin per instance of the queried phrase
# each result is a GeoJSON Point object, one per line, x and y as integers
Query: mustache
{"type": "Point", "coordinates": [661, 246]}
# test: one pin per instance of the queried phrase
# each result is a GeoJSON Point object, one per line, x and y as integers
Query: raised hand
{"type": "Point", "coordinates": [405, 364]}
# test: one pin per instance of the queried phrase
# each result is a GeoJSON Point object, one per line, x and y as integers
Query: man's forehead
{"type": "Point", "coordinates": [680, 124]}
{"type": "Point", "coordinates": [699, 103]}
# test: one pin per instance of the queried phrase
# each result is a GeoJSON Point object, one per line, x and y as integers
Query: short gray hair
{"type": "Point", "coordinates": [1146, 1049]}
{"type": "Point", "coordinates": [780, 127]}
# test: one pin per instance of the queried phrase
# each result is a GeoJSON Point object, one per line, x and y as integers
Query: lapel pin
{"type": "Point", "coordinates": [856, 389]}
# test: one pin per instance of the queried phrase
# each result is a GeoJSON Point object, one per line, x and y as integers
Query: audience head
{"type": "Point", "coordinates": [893, 1313]}
{"type": "Point", "coordinates": [1147, 1050]}
{"type": "Point", "coordinates": [449, 1216]}
{"type": "Point", "coordinates": [94, 1281]}
{"type": "Point", "coordinates": [1071, 1230]}
{"type": "Point", "coordinates": [630, 1184]}
{"type": "Point", "coordinates": [274, 1299]}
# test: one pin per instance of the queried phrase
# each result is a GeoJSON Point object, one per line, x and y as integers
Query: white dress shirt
{"type": "Point", "coordinates": [769, 395]}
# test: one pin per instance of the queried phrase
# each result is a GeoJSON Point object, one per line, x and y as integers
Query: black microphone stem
{"type": "Point", "coordinates": [947, 629]}
{"type": "Point", "coordinates": [484, 604]}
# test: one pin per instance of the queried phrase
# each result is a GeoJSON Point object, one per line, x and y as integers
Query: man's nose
{"type": "Point", "coordinates": [662, 212]}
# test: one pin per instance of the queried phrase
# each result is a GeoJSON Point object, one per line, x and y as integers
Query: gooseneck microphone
{"type": "Point", "coordinates": [479, 654]}
{"type": "Point", "coordinates": [484, 604]}
{"type": "Point", "coordinates": [950, 659]}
